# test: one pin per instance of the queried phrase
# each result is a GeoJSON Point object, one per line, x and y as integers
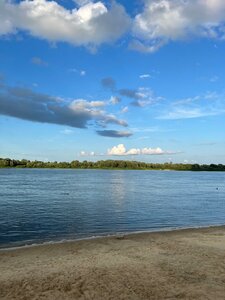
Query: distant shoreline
{"type": "Point", "coordinates": [108, 165]}
{"type": "Point", "coordinates": [109, 169]}
{"type": "Point", "coordinates": [178, 264]}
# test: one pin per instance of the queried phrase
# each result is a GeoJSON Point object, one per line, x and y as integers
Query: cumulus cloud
{"type": "Point", "coordinates": [117, 150]}
{"type": "Point", "coordinates": [114, 133]}
{"type": "Point", "coordinates": [120, 150]}
{"type": "Point", "coordinates": [90, 24]}
{"type": "Point", "coordinates": [26, 104]}
{"type": "Point", "coordinates": [165, 20]}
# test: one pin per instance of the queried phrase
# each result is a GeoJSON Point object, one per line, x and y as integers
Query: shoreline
{"type": "Point", "coordinates": [109, 169]}
{"type": "Point", "coordinates": [179, 264]}
{"type": "Point", "coordinates": [117, 164]}
{"type": "Point", "coordinates": [118, 235]}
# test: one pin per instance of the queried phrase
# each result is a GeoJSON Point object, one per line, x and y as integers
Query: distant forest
{"type": "Point", "coordinates": [108, 164]}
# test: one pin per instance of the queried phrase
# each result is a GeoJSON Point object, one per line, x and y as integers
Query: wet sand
{"type": "Point", "coordinates": [183, 264]}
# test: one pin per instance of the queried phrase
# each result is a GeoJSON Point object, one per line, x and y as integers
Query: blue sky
{"type": "Point", "coordinates": [93, 80]}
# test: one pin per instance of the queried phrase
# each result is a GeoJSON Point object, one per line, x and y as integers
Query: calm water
{"type": "Point", "coordinates": [39, 205]}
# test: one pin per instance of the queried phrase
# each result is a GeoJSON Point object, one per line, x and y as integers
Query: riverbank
{"type": "Point", "coordinates": [182, 264]}
{"type": "Point", "coordinates": [108, 165]}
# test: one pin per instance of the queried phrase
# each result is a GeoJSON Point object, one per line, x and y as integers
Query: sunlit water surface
{"type": "Point", "coordinates": [38, 205]}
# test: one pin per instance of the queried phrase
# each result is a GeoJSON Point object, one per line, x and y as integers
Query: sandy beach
{"type": "Point", "coordinates": [183, 264]}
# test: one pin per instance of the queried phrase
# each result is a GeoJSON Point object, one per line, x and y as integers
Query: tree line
{"type": "Point", "coordinates": [108, 164]}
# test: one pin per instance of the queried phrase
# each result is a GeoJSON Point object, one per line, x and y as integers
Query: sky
{"type": "Point", "coordinates": [91, 80]}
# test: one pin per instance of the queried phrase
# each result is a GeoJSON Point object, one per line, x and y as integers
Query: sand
{"type": "Point", "coordinates": [183, 264]}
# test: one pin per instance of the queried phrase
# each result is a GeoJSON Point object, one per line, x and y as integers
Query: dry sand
{"type": "Point", "coordinates": [184, 264]}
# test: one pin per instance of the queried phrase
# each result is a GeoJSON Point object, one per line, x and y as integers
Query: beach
{"type": "Point", "coordinates": [180, 264]}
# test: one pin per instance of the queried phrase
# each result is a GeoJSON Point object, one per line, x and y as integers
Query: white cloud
{"type": "Point", "coordinates": [165, 20]}
{"type": "Point", "coordinates": [139, 46]}
{"type": "Point", "coordinates": [189, 113]}
{"type": "Point", "coordinates": [151, 151]}
{"type": "Point", "coordinates": [84, 104]}
{"type": "Point", "coordinates": [120, 150]}
{"type": "Point", "coordinates": [91, 108]}
{"type": "Point", "coordinates": [87, 104]}
{"type": "Point", "coordinates": [141, 97]}
{"type": "Point", "coordinates": [117, 150]}
{"type": "Point", "coordinates": [81, 2]}
{"type": "Point", "coordinates": [144, 76]}
{"type": "Point", "coordinates": [23, 103]}
{"type": "Point", "coordinates": [133, 151]}
{"type": "Point", "coordinates": [90, 24]}
{"type": "Point", "coordinates": [124, 109]}
{"type": "Point", "coordinates": [6, 24]}
{"type": "Point", "coordinates": [67, 131]}
{"type": "Point", "coordinates": [114, 100]}
{"type": "Point", "coordinates": [208, 104]}
{"type": "Point", "coordinates": [84, 153]}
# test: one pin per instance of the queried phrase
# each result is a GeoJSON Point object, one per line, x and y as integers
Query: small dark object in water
{"type": "Point", "coordinates": [217, 188]}
{"type": "Point", "coordinates": [65, 193]}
